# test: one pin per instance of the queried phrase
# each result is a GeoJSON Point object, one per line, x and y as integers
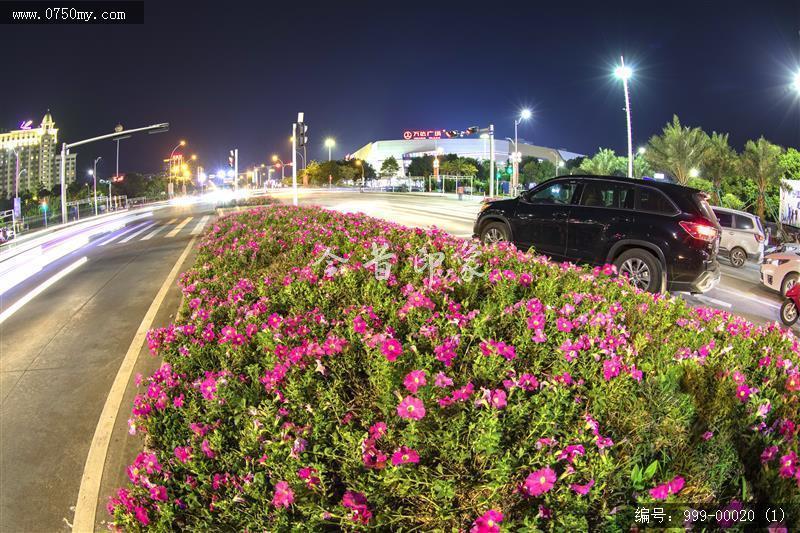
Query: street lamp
{"type": "Point", "coordinates": [694, 173]}
{"type": "Point", "coordinates": [525, 114]}
{"type": "Point", "coordinates": [276, 159]}
{"type": "Point", "coordinates": [360, 163]}
{"type": "Point", "coordinates": [797, 81]}
{"type": "Point", "coordinates": [624, 73]}
{"type": "Point", "coordinates": [329, 143]}
{"type": "Point", "coordinates": [93, 173]}
{"type": "Point", "coordinates": [642, 150]}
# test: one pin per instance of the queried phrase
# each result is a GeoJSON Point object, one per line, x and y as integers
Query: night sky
{"type": "Point", "coordinates": [234, 75]}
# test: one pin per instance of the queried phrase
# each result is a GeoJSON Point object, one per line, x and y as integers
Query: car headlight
{"type": "Point", "coordinates": [484, 207]}
{"type": "Point", "coordinates": [775, 262]}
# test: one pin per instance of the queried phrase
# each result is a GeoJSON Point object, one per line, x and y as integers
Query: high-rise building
{"type": "Point", "coordinates": [33, 156]}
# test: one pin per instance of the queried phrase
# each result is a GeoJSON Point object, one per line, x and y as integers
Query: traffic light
{"type": "Point", "coordinates": [301, 130]}
{"type": "Point", "coordinates": [231, 158]}
{"type": "Point", "coordinates": [452, 133]}
{"type": "Point", "coordinates": [471, 130]}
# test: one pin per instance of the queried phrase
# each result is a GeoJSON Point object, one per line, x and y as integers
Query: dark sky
{"type": "Point", "coordinates": [229, 75]}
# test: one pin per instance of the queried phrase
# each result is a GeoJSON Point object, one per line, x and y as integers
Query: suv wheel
{"type": "Point", "coordinates": [788, 282]}
{"type": "Point", "coordinates": [494, 232]}
{"type": "Point", "coordinates": [738, 257]}
{"type": "Point", "coordinates": [641, 268]}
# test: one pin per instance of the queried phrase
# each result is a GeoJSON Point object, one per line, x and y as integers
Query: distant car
{"type": "Point", "coordinates": [780, 271]}
{"type": "Point", "coordinates": [742, 236]}
{"type": "Point", "coordinates": [660, 235]}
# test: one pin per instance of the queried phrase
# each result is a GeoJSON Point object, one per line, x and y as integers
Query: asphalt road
{"type": "Point", "coordinates": [60, 353]}
{"type": "Point", "coordinates": [739, 291]}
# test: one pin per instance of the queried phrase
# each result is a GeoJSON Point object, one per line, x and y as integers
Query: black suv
{"type": "Point", "coordinates": [661, 235]}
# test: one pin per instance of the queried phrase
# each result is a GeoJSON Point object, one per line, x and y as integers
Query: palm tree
{"type": "Point", "coordinates": [720, 162]}
{"type": "Point", "coordinates": [604, 163]}
{"type": "Point", "coordinates": [677, 150]}
{"type": "Point", "coordinates": [760, 162]}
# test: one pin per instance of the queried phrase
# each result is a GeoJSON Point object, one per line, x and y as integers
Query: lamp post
{"type": "Point", "coordinates": [329, 143]}
{"type": "Point", "coordinates": [624, 73]}
{"type": "Point", "coordinates": [94, 178]}
{"type": "Point", "coordinates": [118, 134]}
{"type": "Point", "coordinates": [525, 114]}
{"type": "Point", "coordinates": [171, 155]}
{"type": "Point", "coordinates": [276, 159]}
{"type": "Point", "coordinates": [360, 163]}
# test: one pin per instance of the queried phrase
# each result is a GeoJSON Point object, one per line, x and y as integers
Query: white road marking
{"type": "Point", "coordinates": [178, 228]}
{"type": "Point", "coordinates": [120, 234]}
{"type": "Point", "coordinates": [751, 298]}
{"type": "Point", "coordinates": [86, 506]}
{"type": "Point", "coordinates": [713, 301]}
{"type": "Point", "coordinates": [130, 237]}
{"type": "Point", "coordinates": [158, 230]}
{"type": "Point", "coordinates": [16, 306]}
{"type": "Point", "coordinates": [198, 229]}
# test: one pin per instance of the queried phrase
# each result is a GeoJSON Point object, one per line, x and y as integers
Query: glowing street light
{"type": "Point", "coordinates": [642, 150]}
{"type": "Point", "coordinates": [525, 114]}
{"type": "Point", "coordinates": [329, 144]}
{"type": "Point", "coordinates": [694, 173]}
{"type": "Point", "coordinates": [624, 73]}
{"type": "Point", "coordinates": [797, 81]}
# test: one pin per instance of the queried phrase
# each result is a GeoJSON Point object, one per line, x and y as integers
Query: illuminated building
{"type": "Point", "coordinates": [432, 142]}
{"type": "Point", "coordinates": [39, 158]}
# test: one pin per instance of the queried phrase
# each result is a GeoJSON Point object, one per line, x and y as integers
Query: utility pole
{"type": "Point", "coordinates": [94, 178]}
{"type": "Point", "coordinates": [235, 170]}
{"type": "Point", "coordinates": [491, 160]}
{"type": "Point", "coordinates": [294, 158]}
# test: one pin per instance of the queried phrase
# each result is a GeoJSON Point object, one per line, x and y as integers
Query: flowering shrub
{"type": "Point", "coordinates": [296, 390]}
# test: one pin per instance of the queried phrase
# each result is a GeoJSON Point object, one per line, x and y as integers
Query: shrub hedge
{"type": "Point", "coordinates": [474, 387]}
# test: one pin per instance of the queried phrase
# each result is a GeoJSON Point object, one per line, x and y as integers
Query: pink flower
{"type": "Point", "coordinates": [208, 388]}
{"type": "Point", "coordinates": [563, 325]}
{"type": "Point", "coordinates": [141, 515]}
{"type": "Point", "coordinates": [158, 493]}
{"type": "Point", "coordinates": [707, 435]}
{"type": "Point", "coordinates": [571, 451]}
{"type": "Point", "coordinates": [769, 454]}
{"type": "Point", "coordinates": [788, 464]}
{"type": "Point", "coordinates": [206, 447]}
{"type": "Point", "coordinates": [743, 392]}
{"type": "Point", "coordinates": [661, 492]}
{"type": "Point", "coordinates": [405, 455]}
{"type": "Point", "coordinates": [584, 489]}
{"type": "Point", "coordinates": [183, 453]}
{"type": "Point", "coordinates": [498, 400]}
{"type": "Point", "coordinates": [488, 522]}
{"type": "Point", "coordinates": [442, 380]}
{"type": "Point", "coordinates": [411, 407]}
{"type": "Point", "coordinates": [414, 380]}
{"type": "Point", "coordinates": [309, 475]}
{"type": "Point", "coordinates": [377, 430]}
{"type": "Point", "coordinates": [540, 481]}
{"type": "Point", "coordinates": [391, 349]}
{"type": "Point", "coordinates": [284, 497]}
{"type": "Point", "coordinates": [357, 502]}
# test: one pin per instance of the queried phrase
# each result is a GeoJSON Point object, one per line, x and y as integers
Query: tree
{"type": "Point", "coordinates": [720, 162]}
{"type": "Point", "coordinates": [390, 167]}
{"type": "Point", "coordinates": [458, 167]}
{"type": "Point", "coordinates": [421, 166]}
{"type": "Point", "coordinates": [535, 171]}
{"type": "Point", "coordinates": [790, 164]}
{"type": "Point", "coordinates": [641, 167]}
{"type": "Point", "coordinates": [760, 162]}
{"type": "Point", "coordinates": [701, 184]}
{"type": "Point", "coordinates": [731, 201]}
{"type": "Point", "coordinates": [677, 150]}
{"type": "Point", "coordinates": [604, 163]}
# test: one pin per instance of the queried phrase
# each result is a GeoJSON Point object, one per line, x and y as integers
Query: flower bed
{"type": "Point", "coordinates": [495, 389]}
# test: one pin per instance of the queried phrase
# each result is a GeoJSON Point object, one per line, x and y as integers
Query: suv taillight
{"type": "Point", "coordinates": [702, 230]}
{"type": "Point", "coordinates": [759, 237]}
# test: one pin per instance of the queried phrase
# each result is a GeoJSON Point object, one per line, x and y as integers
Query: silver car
{"type": "Point", "coordinates": [742, 236]}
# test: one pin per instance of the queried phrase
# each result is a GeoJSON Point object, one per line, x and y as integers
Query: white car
{"type": "Point", "coordinates": [742, 236]}
{"type": "Point", "coordinates": [780, 271]}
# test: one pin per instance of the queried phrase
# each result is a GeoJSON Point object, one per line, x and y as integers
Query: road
{"type": "Point", "coordinates": [60, 353]}
{"type": "Point", "coordinates": [67, 331]}
{"type": "Point", "coordinates": [739, 290]}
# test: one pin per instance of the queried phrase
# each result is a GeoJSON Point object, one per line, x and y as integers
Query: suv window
{"type": "Point", "coordinates": [654, 201]}
{"type": "Point", "coordinates": [725, 219]}
{"type": "Point", "coordinates": [559, 193]}
{"type": "Point", "coordinates": [743, 222]}
{"type": "Point", "coordinates": [607, 194]}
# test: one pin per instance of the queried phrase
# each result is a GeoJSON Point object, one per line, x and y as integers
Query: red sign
{"type": "Point", "coordinates": [422, 134]}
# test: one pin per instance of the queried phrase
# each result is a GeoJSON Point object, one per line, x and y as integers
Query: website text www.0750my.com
{"type": "Point", "coordinates": [67, 14]}
{"type": "Point", "coordinates": [75, 12]}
